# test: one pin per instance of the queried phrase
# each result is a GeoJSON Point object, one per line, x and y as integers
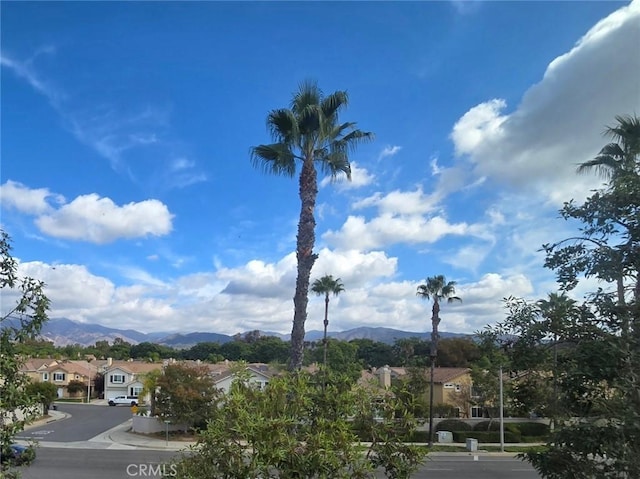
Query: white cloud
{"type": "Point", "coordinates": [399, 202]}
{"type": "Point", "coordinates": [99, 220]}
{"type": "Point", "coordinates": [389, 151]}
{"type": "Point", "coordinates": [385, 230]}
{"type": "Point", "coordinates": [559, 122]}
{"type": "Point", "coordinates": [27, 200]}
{"type": "Point", "coordinates": [353, 267]}
{"type": "Point", "coordinates": [479, 125]}
{"type": "Point", "coordinates": [88, 217]}
{"type": "Point", "coordinates": [359, 177]}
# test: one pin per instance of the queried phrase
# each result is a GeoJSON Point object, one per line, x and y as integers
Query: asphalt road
{"type": "Point", "coordinates": [87, 421]}
{"type": "Point", "coordinates": [54, 463]}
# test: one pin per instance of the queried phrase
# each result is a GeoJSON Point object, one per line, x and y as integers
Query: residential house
{"type": "Point", "coordinates": [258, 376]}
{"type": "Point", "coordinates": [63, 372]}
{"type": "Point", "coordinates": [35, 367]}
{"type": "Point", "coordinates": [451, 386]}
{"type": "Point", "coordinates": [126, 377]}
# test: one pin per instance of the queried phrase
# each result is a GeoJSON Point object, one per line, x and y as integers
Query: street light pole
{"type": "Point", "coordinates": [501, 415]}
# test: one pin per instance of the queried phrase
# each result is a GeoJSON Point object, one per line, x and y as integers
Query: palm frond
{"type": "Point", "coordinates": [327, 284]}
{"type": "Point", "coordinates": [604, 165]}
{"type": "Point", "coordinates": [283, 125]}
{"type": "Point", "coordinates": [334, 163]}
{"type": "Point", "coordinates": [351, 140]}
{"type": "Point", "coordinates": [276, 158]}
{"type": "Point", "coordinates": [626, 132]}
{"type": "Point", "coordinates": [308, 94]}
{"type": "Point", "coordinates": [333, 103]}
{"type": "Point", "coordinates": [310, 119]}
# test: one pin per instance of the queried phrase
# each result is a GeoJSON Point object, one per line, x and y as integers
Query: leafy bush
{"type": "Point", "coordinates": [487, 426]}
{"type": "Point", "coordinates": [419, 436]}
{"type": "Point", "coordinates": [302, 425]}
{"type": "Point", "coordinates": [75, 387]}
{"type": "Point", "coordinates": [445, 410]}
{"type": "Point", "coordinates": [533, 429]}
{"type": "Point", "coordinates": [453, 425]}
{"type": "Point", "coordinates": [530, 439]}
{"type": "Point", "coordinates": [495, 426]}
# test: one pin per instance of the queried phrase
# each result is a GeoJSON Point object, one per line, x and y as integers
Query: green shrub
{"type": "Point", "coordinates": [486, 436]}
{"type": "Point", "coordinates": [302, 425]}
{"type": "Point", "coordinates": [530, 439]}
{"type": "Point", "coordinates": [453, 425]}
{"type": "Point", "coordinates": [495, 426]}
{"type": "Point", "coordinates": [533, 428]}
{"type": "Point", "coordinates": [419, 436]}
{"type": "Point", "coordinates": [445, 410]}
{"type": "Point", "coordinates": [487, 426]}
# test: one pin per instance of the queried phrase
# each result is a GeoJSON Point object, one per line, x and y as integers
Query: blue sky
{"type": "Point", "coordinates": [126, 183]}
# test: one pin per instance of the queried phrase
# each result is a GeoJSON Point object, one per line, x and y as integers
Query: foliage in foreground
{"type": "Point", "coordinates": [22, 322]}
{"type": "Point", "coordinates": [591, 351]}
{"type": "Point", "coordinates": [302, 426]}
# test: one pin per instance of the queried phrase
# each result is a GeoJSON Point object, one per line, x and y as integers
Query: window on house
{"type": "Point", "coordinates": [45, 376]}
{"type": "Point", "coordinates": [448, 385]}
{"type": "Point", "coordinates": [135, 391]}
{"type": "Point", "coordinates": [58, 376]}
{"type": "Point", "coordinates": [458, 388]}
{"type": "Point", "coordinates": [117, 378]}
{"type": "Point", "coordinates": [476, 411]}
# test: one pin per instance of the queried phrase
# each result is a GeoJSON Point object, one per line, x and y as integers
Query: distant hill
{"type": "Point", "coordinates": [184, 341]}
{"type": "Point", "coordinates": [62, 331]}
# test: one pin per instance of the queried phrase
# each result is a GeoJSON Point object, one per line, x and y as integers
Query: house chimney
{"type": "Point", "coordinates": [385, 377]}
{"type": "Point", "coordinates": [109, 362]}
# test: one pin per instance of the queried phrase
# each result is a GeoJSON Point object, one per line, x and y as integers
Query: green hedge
{"type": "Point", "coordinates": [453, 425]}
{"type": "Point", "coordinates": [420, 436]}
{"type": "Point", "coordinates": [486, 436]}
{"type": "Point", "coordinates": [530, 439]}
{"type": "Point", "coordinates": [533, 428]}
{"type": "Point", "coordinates": [494, 425]}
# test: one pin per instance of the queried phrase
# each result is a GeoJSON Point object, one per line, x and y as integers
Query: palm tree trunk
{"type": "Point", "coordinates": [326, 324]}
{"type": "Point", "coordinates": [306, 258]}
{"type": "Point", "coordinates": [435, 320]}
{"type": "Point", "coordinates": [433, 366]}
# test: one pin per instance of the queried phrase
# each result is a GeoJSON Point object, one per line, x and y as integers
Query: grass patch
{"type": "Point", "coordinates": [537, 448]}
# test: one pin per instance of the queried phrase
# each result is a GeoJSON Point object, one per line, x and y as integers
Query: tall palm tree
{"type": "Point", "coordinates": [325, 286]}
{"type": "Point", "coordinates": [436, 289]}
{"type": "Point", "coordinates": [620, 156]}
{"type": "Point", "coordinates": [308, 133]}
{"type": "Point", "coordinates": [557, 310]}
{"type": "Point", "coordinates": [617, 160]}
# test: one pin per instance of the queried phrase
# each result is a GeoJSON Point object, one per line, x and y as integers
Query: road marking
{"type": "Point", "coordinates": [41, 433]}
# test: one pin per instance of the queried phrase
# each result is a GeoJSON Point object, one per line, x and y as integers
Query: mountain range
{"type": "Point", "coordinates": [62, 331]}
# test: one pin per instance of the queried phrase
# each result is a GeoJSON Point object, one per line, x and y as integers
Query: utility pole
{"type": "Point", "coordinates": [501, 415]}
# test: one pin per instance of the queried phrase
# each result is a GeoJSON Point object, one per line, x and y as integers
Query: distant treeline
{"type": "Point", "coordinates": [452, 352]}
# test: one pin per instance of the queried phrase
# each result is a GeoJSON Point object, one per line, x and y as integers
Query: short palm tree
{"type": "Point", "coordinates": [436, 289]}
{"type": "Point", "coordinates": [308, 133]}
{"type": "Point", "coordinates": [325, 286]}
{"type": "Point", "coordinates": [149, 388]}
